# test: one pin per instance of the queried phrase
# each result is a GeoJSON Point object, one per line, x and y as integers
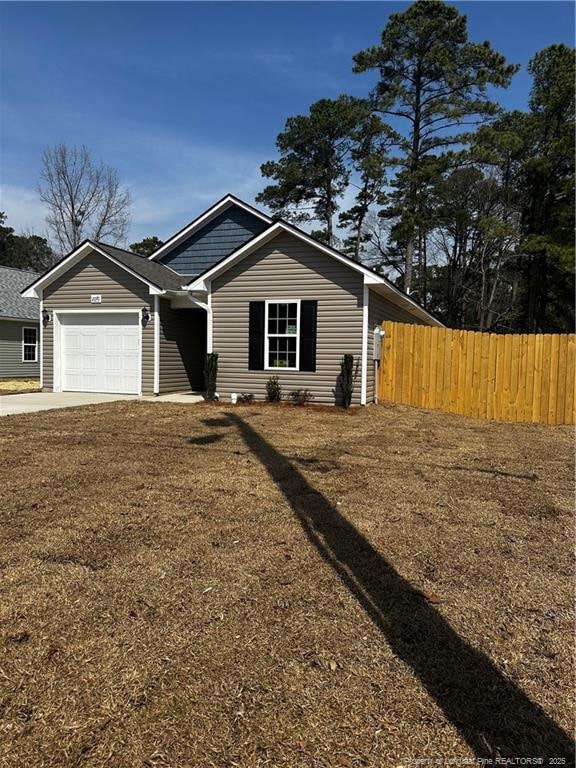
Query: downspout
{"type": "Point", "coordinates": [209, 330]}
{"type": "Point", "coordinates": [156, 387]}
{"type": "Point", "coordinates": [364, 368]}
{"type": "Point", "coordinates": [41, 349]}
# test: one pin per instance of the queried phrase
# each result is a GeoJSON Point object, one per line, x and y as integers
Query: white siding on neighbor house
{"type": "Point", "coordinates": [95, 274]}
{"type": "Point", "coordinates": [11, 364]}
{"type": "Point", "coordinates": [380, 309]}
{"type": "Point", "coordinates": [287, 268]}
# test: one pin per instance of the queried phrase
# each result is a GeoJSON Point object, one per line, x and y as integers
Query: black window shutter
{"type": "Point", "coordinates": [256, 336]}
{"type": "Point", "coordinates": [308, 316]}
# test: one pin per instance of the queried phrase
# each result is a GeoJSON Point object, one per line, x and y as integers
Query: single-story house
{"type": "Point", "coordinates": [266, 296]}
{"type": "Point", "coordinates": [19, 326]}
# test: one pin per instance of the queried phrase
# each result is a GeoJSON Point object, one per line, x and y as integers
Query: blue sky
{"type": "Point", "coordinates": [186, 99]}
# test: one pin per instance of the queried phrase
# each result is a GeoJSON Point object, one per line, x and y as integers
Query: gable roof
{"type": "Point", "coordinates": [161, 278]}
{"type": "Point", "coordinates": [155, 272]}
{"type": "Point", "coordinates": [205, 218]}
{"type": "Point", "coordinates": [379, 283]}
{"type": "Point", "coordinates": [158, 277]}
{"type": "Point", "coordinates": [12, 304]}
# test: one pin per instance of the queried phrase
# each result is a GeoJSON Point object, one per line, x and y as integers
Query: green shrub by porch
{"type": "Point", "coordinates": [347, 379]}
{"type": "Point", "coordinates": [210, 375]}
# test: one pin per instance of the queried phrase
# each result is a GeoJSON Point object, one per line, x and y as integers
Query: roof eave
{"type": "Point", "coordinates": [370, 278]}
{"type": "Point", "coordinates": [31, 292]}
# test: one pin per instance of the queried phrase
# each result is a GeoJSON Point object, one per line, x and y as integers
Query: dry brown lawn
{"type": "Point", "coordinates": [17, 386]}
{"type": "Point", "coordinates": [195, 586]}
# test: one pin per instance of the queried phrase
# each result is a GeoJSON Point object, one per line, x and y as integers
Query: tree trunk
{"type": "Point", "coordinates": [329, 231]}
{"type": "Point", "coordinates": [412, 190]}
{"type": "Point", "coordinates": [424, 278]}
{"type": "Point", "coordinates": [361, 218]}
{"type": "Point", "coordinates": [408, 259]}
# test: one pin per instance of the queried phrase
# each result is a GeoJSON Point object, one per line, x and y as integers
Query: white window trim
{"type": "Point", "coordinates": [282, 335]}
{"type": "Point", "coordinates": [29, 344]}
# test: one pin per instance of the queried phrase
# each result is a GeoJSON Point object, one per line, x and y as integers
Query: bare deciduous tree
{"type": "Point", "coordinates": [84, 199]}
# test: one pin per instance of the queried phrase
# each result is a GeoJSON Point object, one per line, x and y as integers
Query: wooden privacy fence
{"type": "Point", "coordinates": [511, 377]}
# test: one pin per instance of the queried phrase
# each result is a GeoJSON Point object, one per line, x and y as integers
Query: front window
{"type": "Point", "coordinates": [282, 331]}
{"type": "Point", "coordinates": [29, 345]}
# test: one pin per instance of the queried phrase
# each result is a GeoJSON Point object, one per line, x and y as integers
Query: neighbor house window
{"type": "Point", "coordinates": [282, 334]}
{"type": "Point", "coordinates": [29, 345]}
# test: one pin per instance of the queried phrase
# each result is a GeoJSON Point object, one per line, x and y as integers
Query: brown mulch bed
{"type": "Point", "coordinates": [18, 386]}
{"type": "Point", "coordinates": [194, 586]}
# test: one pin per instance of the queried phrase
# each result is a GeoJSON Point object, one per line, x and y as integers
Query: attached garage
{"type": "Point", "coordinates": [101, 329]}
{"type": "Point", "coordinates": [100, 352]}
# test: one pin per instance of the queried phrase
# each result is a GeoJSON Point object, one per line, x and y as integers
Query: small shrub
{"type": "Point", "coordinates": [246, 398]}
{"type": "Point", "coordinates": [348, 374]}
{"type": "Point", "coordinates": [210, 375]}
{"type": "Point", "coordinates": [273, 390]}
{"type": "Point", "coordinates": [301, 396]}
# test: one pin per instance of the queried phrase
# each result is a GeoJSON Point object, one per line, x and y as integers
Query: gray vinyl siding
{"type": "Point", "coordinates": [182, 348]}
{"type": "Point", "coordinates": [287, 268]}
{"type": "Point", "coordinates": [119, 290]}
{"type": "Point", "coordinates": [380, 309]}
{"type": "Point", "coordinates": [215, 240]}
{"type": "Point", "coordinates": [11, 365]}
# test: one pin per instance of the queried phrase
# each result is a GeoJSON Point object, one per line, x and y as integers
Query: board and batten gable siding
{"type": "Point", "coordinates": [182, 348]}
{"type": "Point", "coordinates": [380, 309]}
{"type": "Point", "coordinates": [95, 274]}
{"type": "Point", "coordinates": [11, 365]}
{"type": "Point", "coordinates": [287, 268]}
{"type": "Point", "coordinates": [215, 240]}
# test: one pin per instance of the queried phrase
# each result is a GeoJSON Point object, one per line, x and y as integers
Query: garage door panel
{"type": "Point", "coordinates": [113, 342]}
{"type": "Point", "coordinates": [120, 382]}
{"type": "Point", "coordinates": [74, 342]}
{"type": "Point", "coordinates": [101, 353]}
{"type": "Point", "coordinates": [113, 363]}
{"type": "Point", "coordinates": [130, 365]}
{"type": "Point", "coordinates": [131, 343]}
{"type": "Point", "coordinates": [74, 382]}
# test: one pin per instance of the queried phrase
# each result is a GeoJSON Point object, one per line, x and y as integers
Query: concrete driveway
{"type": "Point", "coordinates": [45, 401]}
{"type": "Point", "coordinates": [29, 402]}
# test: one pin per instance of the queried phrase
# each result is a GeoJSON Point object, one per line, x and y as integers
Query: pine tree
{"type": "Point", "coordinates": [313, 169]}
{"type": "Point", "coordinates": [434, 79]}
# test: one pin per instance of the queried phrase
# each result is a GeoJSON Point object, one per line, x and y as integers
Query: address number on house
{"type": "Point", "coordinates": [95, 298]}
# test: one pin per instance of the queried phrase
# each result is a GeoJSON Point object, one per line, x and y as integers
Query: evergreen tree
{"type": "Point", "coordinates": [147, 246]}
{"type": "Point", "coordinates": [313, 170]}
{"type": "Point", "coordinates": [371, 141]}
{"type": "Point", "coordinates": [548, 215]}
{"type": "Point", "coordinates": [533, 155]}
{"type": "Point", "coordinates": [434, 79]}
{"type": "Point", "coordinates": [23, 251]}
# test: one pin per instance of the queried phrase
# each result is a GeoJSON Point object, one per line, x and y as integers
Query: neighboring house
{"type": "Point", "coordinates": [263, 294]}
{"type": "Point", "coordinates": [19, 326]}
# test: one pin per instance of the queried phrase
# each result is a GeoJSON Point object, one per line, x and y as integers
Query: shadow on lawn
{"type": "Point", "coordinates": [491, 713]}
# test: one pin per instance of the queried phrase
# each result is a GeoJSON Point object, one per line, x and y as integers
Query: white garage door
{"type": "Point", "coordinates": [101, 353]}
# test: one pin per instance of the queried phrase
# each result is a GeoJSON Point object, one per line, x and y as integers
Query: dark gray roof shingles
{"type": "Point", "coordinates": [152, 271]}
{"type": "Point", "coordinates": [12, 304]}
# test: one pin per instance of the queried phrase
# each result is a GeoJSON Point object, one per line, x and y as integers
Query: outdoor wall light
{"type": "Point", "coordinates": [145, 315]}
{"type": "Point", "coordinates": [45, 317]}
